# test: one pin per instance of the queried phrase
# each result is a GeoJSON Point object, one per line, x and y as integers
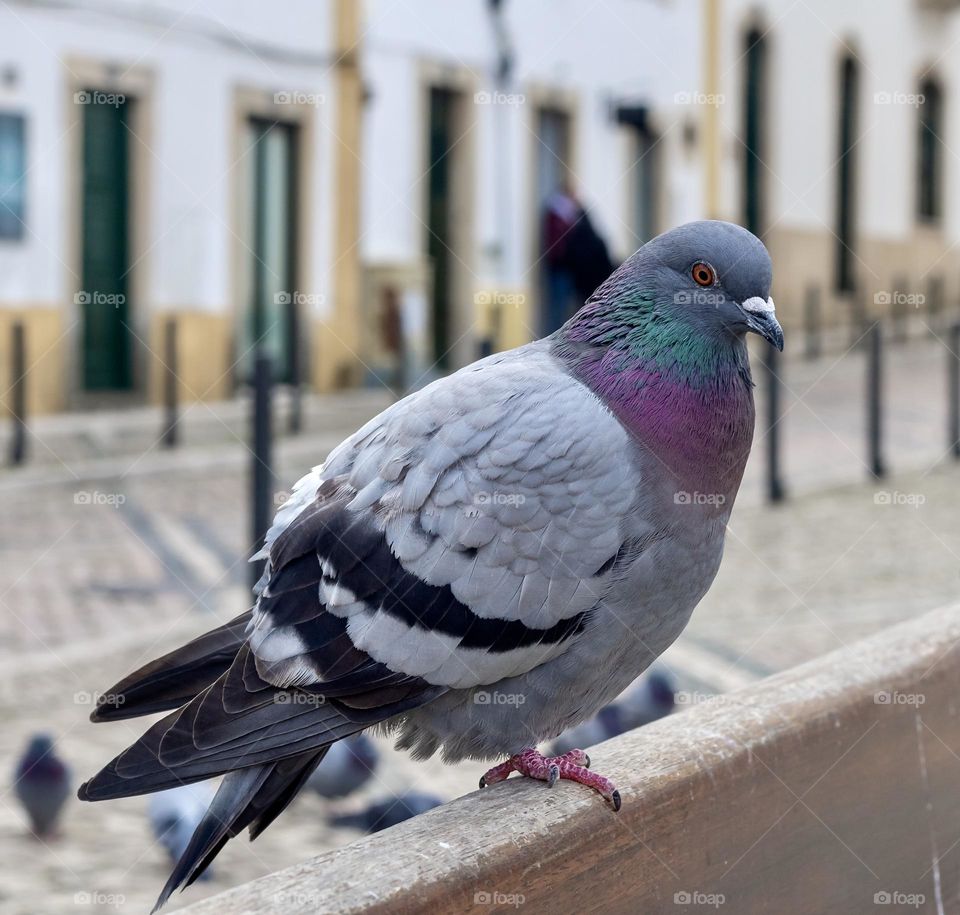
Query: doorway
{"type": "Point", "coordinates": [754, 118]}
{"type": "Point", "coordinates": [105, 243]}
{"type": "Point", "coordinates": [846, 176]}
{"type": "Point", "coordinates": [445, 118]}
{"type": "Point", "coordinates": [273, 303]}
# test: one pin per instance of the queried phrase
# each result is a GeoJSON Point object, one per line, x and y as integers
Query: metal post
{"type": "Point", "coordinates": [170, 386]}
{"type": "Point", "coordinates": [953, 394]}
{"type": "Point", "coordinates": [775, 488]}
{"type": "Point", "coordinates": [392, 332]}
{"type": "Point", "coordinates": [401, 374]}
{"type": "Point", "coordinates": [18, 393]}
{"type": "Point", "coordinates": [898, 309]}
{"type": "Point", "coordinates": [295, 420]}
{"type": "Point", "coordinates": [488, 344]}
{"type": "Point", "coordinates": [262, 480]}
{"type": "Point", "coordinates": [874, 401]}
{"type": "Point", "coordinates": [935, 302]}
{"type": "Point", "coordinates": [812, 319]}
{"type": "Point", "coordinates": [858, 319]}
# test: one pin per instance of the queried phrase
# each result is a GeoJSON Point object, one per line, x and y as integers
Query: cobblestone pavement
{"type": "Point", "coordinates": [101, 569]}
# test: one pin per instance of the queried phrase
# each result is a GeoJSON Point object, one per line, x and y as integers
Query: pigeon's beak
{"type": "Point", "coordinates": [762, 320]}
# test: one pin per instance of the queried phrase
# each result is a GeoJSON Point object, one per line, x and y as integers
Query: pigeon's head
{"type": "Point", "coordinates": [705, 278]}
{"type": "Point", "coordinates": [716, 274]}
{"type": "Point", "coordinates": [661, 690]}
{"type": "Point", "coordinates": [40, 745]}
{"type": "Point", "coordinates": [39, 761]}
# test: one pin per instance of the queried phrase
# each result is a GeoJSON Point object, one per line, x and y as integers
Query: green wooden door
{"type": "Point", "coordinates": [103, 299]}
{"type": "Point", "coordinates": [754, 118]}
{"type": "Point", "coordinates": [440, 242]}
{"type": "Point", "coordinates": [271, 240]}
{"type": "Point", "coordinates": [846, 196]}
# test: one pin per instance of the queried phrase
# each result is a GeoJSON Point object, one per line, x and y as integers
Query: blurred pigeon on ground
{"type": "Point", "coordinates": [486, 563]}
{"type": "Point", "coordinates": [42, 785]}
{"type": "Point", "coordinates": [176, 813]}
{"type": "Point", "coordinates": [388, 812]}
{"type": "Point", "coordinates": [347, 767]}
{"type": "Point", "coordinates": [651, 698]}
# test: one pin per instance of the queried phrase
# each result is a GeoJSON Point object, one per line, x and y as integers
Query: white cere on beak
{"type": "Point", "coordinates": [756, 305]}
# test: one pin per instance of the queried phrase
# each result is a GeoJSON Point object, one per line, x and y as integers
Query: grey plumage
{"type": "Point", "coordinates": [486, 563]}
{"type": "Point", "coordinates": [42, 784]}
{"type": "Point", "coordinates": [347, 767]}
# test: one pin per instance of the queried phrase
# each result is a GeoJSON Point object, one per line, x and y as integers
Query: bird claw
{"type": "Point", "coordinates": [554, 775]}
{"type": "Point", "coordinates": [573, 766]}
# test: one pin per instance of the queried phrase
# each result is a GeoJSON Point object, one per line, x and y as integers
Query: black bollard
{"type": "Point", "coordinates": [18, 393]}
{"type": "Point", "coordinates": [775, 488]}
{"type": "Point", "coordinates": [812, 322]}
{"type": "Point", "coordinates": [261, 476]}
{"type": "Point", "coordinates": [295, 419]}
{"type": "Point", "coordinates": [874, 401]}
{"type": "Point", "coordinates": [898, 309]}
{"type": "Point", "coordinates": [935, 302]}
{"type": "Point", "coordinates": [858, 318]}
{"type": "Point", "coordinates": [170, 386]}
{"type": "Point", "coordinates": [953, 393]}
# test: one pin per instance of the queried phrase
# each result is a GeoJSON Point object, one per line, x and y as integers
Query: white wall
{"type": "Point", "coordinates": [197, 54]}
{"type": "Point", "coordinates": [895, 42]}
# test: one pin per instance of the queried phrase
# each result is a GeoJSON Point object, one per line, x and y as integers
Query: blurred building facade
{"type": "Point", "coordinates": [476, 113]}
{"type": "Point", "coordinates": [358, 185]}
{"type": "Point", "coordinates": [835, 138]}
{"type": "Point", "coordinates": [175, 160]}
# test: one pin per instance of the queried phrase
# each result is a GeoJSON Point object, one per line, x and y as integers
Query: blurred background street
{"type": "Point", "coordinates": [360, 197]}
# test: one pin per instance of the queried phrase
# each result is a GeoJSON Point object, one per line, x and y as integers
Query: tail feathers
{"type": "Point", "coordinates": [294, 782]}
{"type": "Point", "coordinates": [251, 797]}
{"type": "Point", "coordinates": [174, 679]}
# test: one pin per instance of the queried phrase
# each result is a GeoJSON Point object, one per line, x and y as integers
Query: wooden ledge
{"type": "Point", "coordinates": [833, 787]}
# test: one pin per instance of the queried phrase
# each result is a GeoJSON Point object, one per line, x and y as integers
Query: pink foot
{"type": "Point", "coordinates": [573, 765]}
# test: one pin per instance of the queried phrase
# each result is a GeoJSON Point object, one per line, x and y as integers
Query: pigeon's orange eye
{"type": "Point", "coordinates": [703, 274]}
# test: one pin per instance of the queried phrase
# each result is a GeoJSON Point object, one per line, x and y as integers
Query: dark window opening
{"type": "Point", "coordinates": [754, 111]}
{"type": "Point", "coordinates": [846, 176]}
{"type": "Point", "coordinates": [929, 152]}
{"type": "Point", "coordinates": [13, 167]}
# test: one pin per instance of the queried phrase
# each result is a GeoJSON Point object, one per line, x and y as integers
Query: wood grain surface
{"type": "Point", "coordinates": [831, 788]}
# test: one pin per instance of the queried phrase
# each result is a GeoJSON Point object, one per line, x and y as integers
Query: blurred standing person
{"type": "Point", "coordinates": [588, 258]}
{"type": "Point", "coordinates": [576, 257]}
{"type": "Point", "coordinates": [561, 212]}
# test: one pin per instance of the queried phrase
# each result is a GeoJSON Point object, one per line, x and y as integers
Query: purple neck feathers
{"type": "Point", "coordinates": [698, 425]}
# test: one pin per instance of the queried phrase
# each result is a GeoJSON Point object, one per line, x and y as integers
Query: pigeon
{"type": "Point", "coordinates": [388, 812]}
{"type": "Point", "coordinates": [42, 785]}
{"type": "Point", "coordinates": [347, 766]}
{"type": "Point", "coordinates": [486, 563]}
{"type": "Point", "coordinates": [175, 814]}
{"type": "Point", "coordinates": [650, 699]}
{"type": "Point", "coordinates": [653, 698]}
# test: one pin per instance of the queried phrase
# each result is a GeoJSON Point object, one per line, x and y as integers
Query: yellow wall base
{"type": "Point", "coordinates": [204, 357]}
{"type": "Point", "coordinates": [45, 375]}
{"type": "Point", "coordinates": [334, 363]}
{"type": "Point", "coordinates": [505, 316]}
